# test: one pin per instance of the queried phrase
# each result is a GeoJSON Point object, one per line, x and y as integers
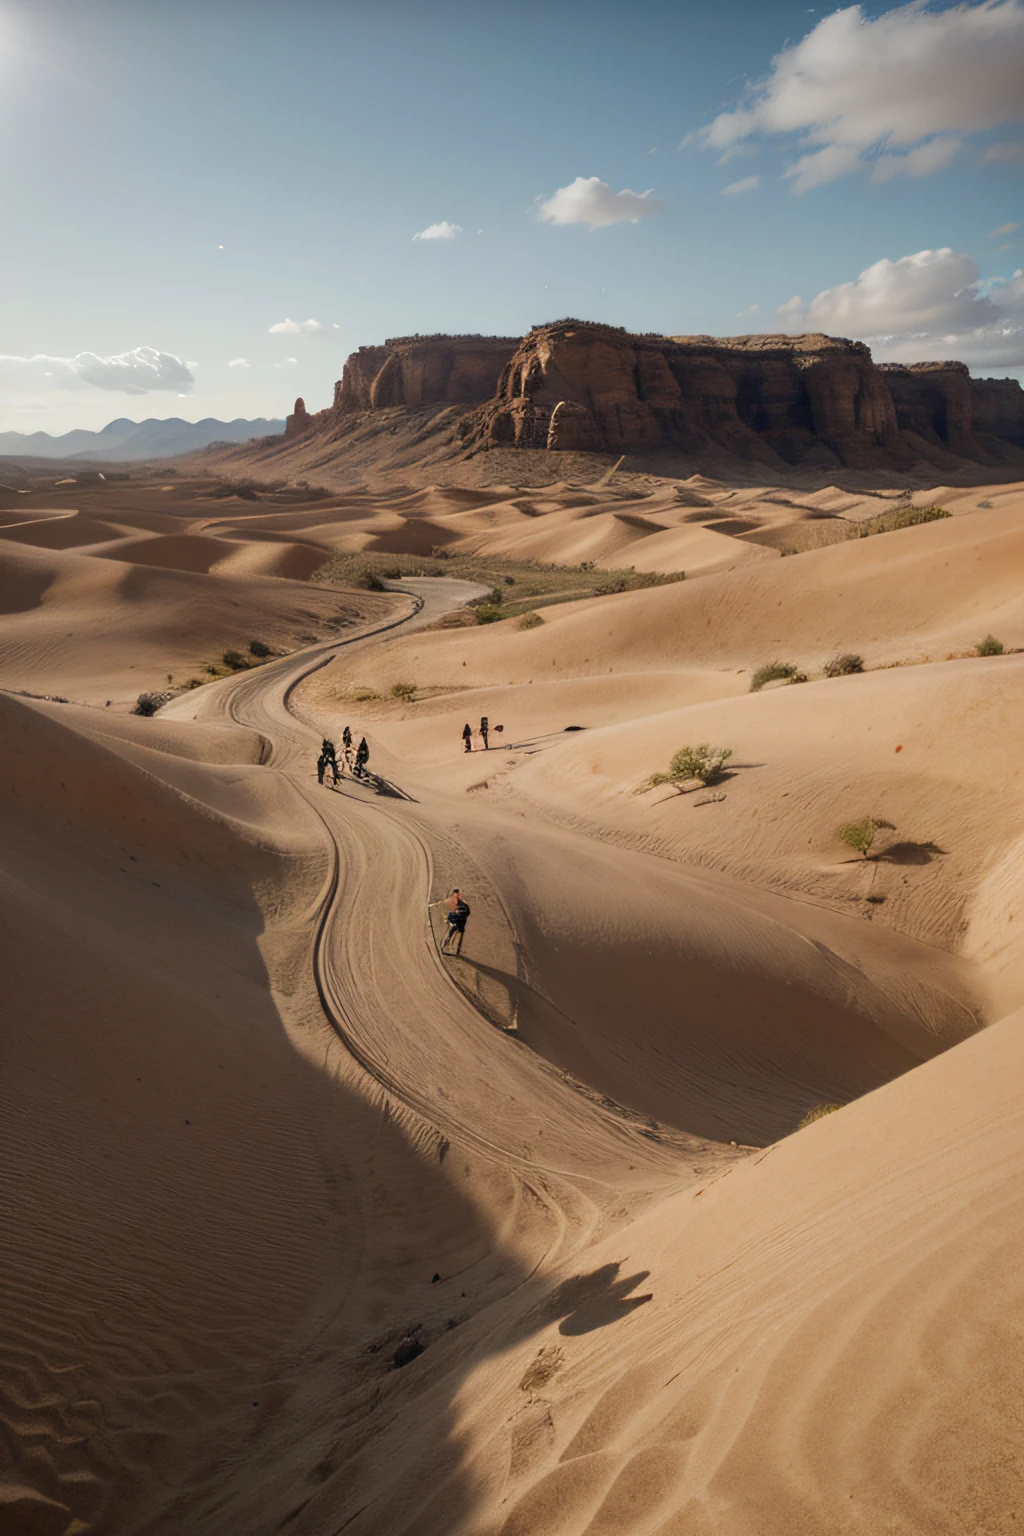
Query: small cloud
{"type": "Point", "coordinates": [295, 328]}
{"type": "Point", "coordinates": [1003, 229]}
{"type": "Point", "coordinates": [752, 310]}
{"type": "Point", "coordinates": [239, 362]}
{"type": "Point", "coordinates": [286, 362]}
{"type": "Point", "coordinates": [220, 247]}
{"type": "Point", "coordinates": [1003, 154]}
{"type": "Point", "coordinates": [589, 200]}
{"type": "Point", "coordinates": [748, 184]}
{"type": "Point", "coordinates": [335, 326]}
{"type": "Point", "coordinates": [442, 231]}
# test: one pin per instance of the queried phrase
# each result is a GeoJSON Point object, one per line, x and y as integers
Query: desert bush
{"type": "Point", "coordinates": [772, 672]}
{"type": "Point", "coordinates": [259, 648]}
{"type": "Point", "coordinates": [367, 579]}
{"type": "Point", "coordinates": [364, 695]}
{"type": "Point", "coordinates": [704, 763]}
{"type": "Point", "coordinates": [860, 835]}
{"type": "Point", "coordinates": [817, 1113]}
{"type": "Point", "coordinates": [146, 705]}
{"type": "Point", "coordinates": [844, 664]}
{"type": "Point", "coordinates": [488, 613]}
{"type": "Point", "coordinates": [530, 621]}
{"type": "Point", "coordinates": [990, 646]}
{"type": "Point", "coordinates": [902, 517]}
{"type": "Point", "coordinates": [798, 677]}
{"type": "Point", "coordinates": [404, 691]}
{"type": "Point", "coordinates": [235, 660]}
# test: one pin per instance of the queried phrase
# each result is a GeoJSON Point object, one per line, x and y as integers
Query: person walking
{"type": "Point", "coordinates": [467, 737]}
{"type": "Point", "coordinates": [458, 915]}
{"type": "Point", "coordinates": [321, 764]}
{"type": "Point", "coordinates": [484, 729]}
{"type": "Point", "coordinates": [362, 758]}
{"type": "Point", "coordinates": [346, 746]}
{"type": "Point", "coordinates": [330, 756]}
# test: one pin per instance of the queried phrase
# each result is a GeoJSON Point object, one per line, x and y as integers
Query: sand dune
{"type": "Point", "coordinates": [311, 1228]}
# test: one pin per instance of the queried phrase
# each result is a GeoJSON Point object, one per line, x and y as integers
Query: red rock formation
{"type": "Point", "coordinates": [299, 421]}
{"type": "Point", "coordinates": [579, 385]}
{"type": "Point", "coordinates": [998, 406]}
{"type": "Point", "coordinates": [422, 370]}
{"type": "Point", "coordinates": [935, 401]}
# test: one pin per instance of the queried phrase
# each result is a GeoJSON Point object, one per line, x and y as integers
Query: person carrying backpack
{"type": "Point", "coordinates": [362, 757]}
{"type": "Point", "coordinates": [467, 736]}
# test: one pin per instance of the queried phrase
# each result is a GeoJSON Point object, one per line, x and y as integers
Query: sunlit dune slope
{"type": "Point", "coordinates": [94, 628]}
{"type": "Point", "coordinates": [833, 1341]}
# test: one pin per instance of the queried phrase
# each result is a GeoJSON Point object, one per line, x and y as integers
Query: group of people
{"type": "Point", "coordinates": [329, 758]}
{"type": "Point", "coordinates": [485, 731]}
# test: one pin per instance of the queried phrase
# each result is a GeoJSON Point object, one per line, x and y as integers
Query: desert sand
{"type": "Point", "coordinates": [311, 1228]}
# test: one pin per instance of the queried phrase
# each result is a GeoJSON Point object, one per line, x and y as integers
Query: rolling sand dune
{"type": "Point", "coordinates": [309, 1227]}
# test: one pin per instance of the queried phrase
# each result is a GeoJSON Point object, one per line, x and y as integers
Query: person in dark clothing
{"type": "Point", "coordinates": [362, 757]}
{"type": "Point", "coordinates": [346, 746]}
{"type": "Point", "coordinates": [484, 728]}
{"type": "Point", "coordinates": [467, 737]}
{"type": "Point", "coordinates": [327, 748]}
{"type": "Point", "coordinates": [458, 913]}
{"type": "Point", "coordinates": [321, 765]}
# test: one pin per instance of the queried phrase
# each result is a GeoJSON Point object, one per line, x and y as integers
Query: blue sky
{"type": "Point", "coordinates": [181, 177]}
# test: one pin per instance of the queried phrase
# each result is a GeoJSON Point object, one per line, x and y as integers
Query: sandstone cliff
{"type": "Point", "coordinates": [998, 406]}
{"type": "Point", "coordinates": [422, 370]}
{"type": "Point", "coordinates": [299, 421]}
{"type": "Point", "coordinates": [801, 399]}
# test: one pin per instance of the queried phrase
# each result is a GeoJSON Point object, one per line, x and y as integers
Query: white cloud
{"type": "Point", "coordinates": [286, 362]}
{"type": "Point", "coordinates": [132, 373]}
{"type": "Point", "coordinates": [239, 362]}
{"type": "Point", "coordinates": [929, 306]}
{"type": "Point", "coordinates": [748, 184]}
{"type": "Point", "coordinates": [442, 231]}
{"type": "Point", "coordinates": [1003, 154]}
{"type": "Point", "coordinates": [589, 200]}
{"type": "Point", "coordinates": [750, 310]}
{"type": "Point", "coordinates": [857, 92]}
{"type": "Point", "coordinates": [1003, 229]}
{"type": "Point", "coordinates": [295, 328]}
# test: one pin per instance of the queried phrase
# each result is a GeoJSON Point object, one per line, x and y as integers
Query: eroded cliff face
{"type": "Point", "coordinates": [998, 406]}
{"type": "Point", "coordinates": [576, 385]}
{"type": "Point", "coordinates": [300, 421]}
{"type": "Point", "coordinates": [935, 401]}
{"type": "Point", "coordinates": [423, 370]}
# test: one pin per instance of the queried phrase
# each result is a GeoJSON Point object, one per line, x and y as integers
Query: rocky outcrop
{"type": "Point", "coordinates": [934, 400]}
{"type": "Point", "coordinates": [584, 386]}
{"type": "Point", "coordinates": [299, 421]}
{"type": "Point", "coordinates": [998, 409]}
{"type": "Point", "coordinates": [422, 370]}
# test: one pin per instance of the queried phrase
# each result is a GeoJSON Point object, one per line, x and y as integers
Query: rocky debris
{"type": "Point", "coordinates": [422, 370]}
{"type": "Point", "coordinates": [299, 421]}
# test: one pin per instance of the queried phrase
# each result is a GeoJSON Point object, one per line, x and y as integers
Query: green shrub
{"type": "Point", "coordinates": [404, 691]}
{"type": "Point", "coordinates": [530, 621]}
{"type": "Point", "coordinates": [990, 646]}
{"type": "Point", "coordinates": [366, 578]}
{"type": "Point", "coordinates": [488, 613]}
{"type": "Point", "coordinates": [817, 1113]}
{"type": "Point", "coordinates": [844, 664]}
{"type": "Point", "coordinates": [259, 648]}
{"type": "Point", "coordinates": [235, 660]}
{"type": "Point", "coordinates": [860, 835]}
{"type": "Point", "coordinates": [704, 763]}
{"type": "Point", "coordinates": [772, 672]}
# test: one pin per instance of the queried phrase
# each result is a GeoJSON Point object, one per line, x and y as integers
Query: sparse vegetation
{"type": "Point", "coordinates": [990, 646]}
{"type": "Point", "coordinates": [530, 621]}
{"type": "Point", "coordinates": [259, 648]}
{"type": "Point", "coordinates": [860, 835]}
{"type": "Point", "coordinates": [902, 517]}
{"type": "Point", "coordinates": [534, 583]}
{"type": "Point", "coordinates": [704, 763]}
{"type": "Point", "coordinates": [146, 705]}
{"type": "Point", "coordinates": [364, 695]}
{"type": "Point", "coordinates": [235, 660]}
{"type": "Point", "coordinates": [772, 672]}
{"type": "Point", "coordinates": [844, 664]}
{"type": "Point", "coordinates": [404, 691]}
{"type": "Point", "coordinates": [817, 1113]}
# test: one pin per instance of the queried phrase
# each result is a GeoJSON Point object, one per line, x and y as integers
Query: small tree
{"type": "Point", "coordinates": [772, 672]}
{"type": "Point", "coordinates": [235, 660]}
{"type": "Point", "coordinates": [844, 664]}
{"type": "Point", "coordinates": [259, 648]}
{"type": "Point", "coordinates": [990, 646]}
{"type": "Point", "coordinates": [860, 835]}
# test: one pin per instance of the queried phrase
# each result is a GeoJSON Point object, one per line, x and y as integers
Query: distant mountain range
{"type": "Point", "coordinates": [124, 439]}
